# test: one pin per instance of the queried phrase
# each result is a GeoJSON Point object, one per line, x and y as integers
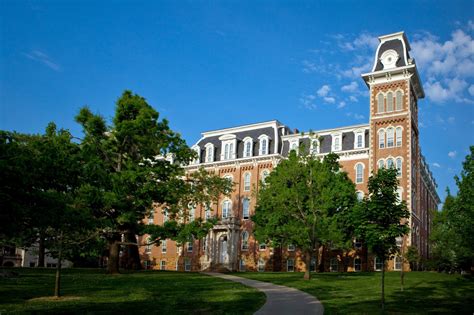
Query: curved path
{"type": "Point", "coordinates": [280, 299]}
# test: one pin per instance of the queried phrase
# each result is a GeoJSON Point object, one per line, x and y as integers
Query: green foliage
{"type": "Point", "coordinates": [452, 236]}
{"type": "Point", "coordinates": [379, 219]}
{"type": "Point", "coordinates": [303, 202]}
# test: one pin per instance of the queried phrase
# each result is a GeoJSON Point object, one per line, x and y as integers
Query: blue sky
{"type": "Point", "coordinates": [209, 65]}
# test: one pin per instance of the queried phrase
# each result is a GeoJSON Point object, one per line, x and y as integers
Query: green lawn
{"type": "Point", "coordinates": [150, 292]}
{"type": "Point", "coordinates": [359, 293]}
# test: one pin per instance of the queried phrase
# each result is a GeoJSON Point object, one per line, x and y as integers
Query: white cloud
{"type": "Point", "coordinates": [308, 101]}
{"type": "Point", "coordinates": [355, 116]}
{"type": "Point", "coordinates": [451, 120]}
{"type": "Point", "coordinates": [362, 41]}
{"type": "Point", "coordinates": [43, 58]}
{"type": "Point", "coordinates": [341, 104]}
{"type": "Point", "coordinates": [471, 90]}
{"type": "Point", "coordinates": [351, 87]}
{"type": "Point", "coordinates": [449, 89]}
{"type": "Point", "coordinates": [452, 154]}
{"type": "Point", "coordinates": [353, 98]}
{"type": "Point", "coordinates": [324, 90]}
{"type": "Point", "coordinates": [329, 99]}
{"type": "Point", "coordinates": [436, 165]}
{"type": "Point", "coordinates": [309, 67]}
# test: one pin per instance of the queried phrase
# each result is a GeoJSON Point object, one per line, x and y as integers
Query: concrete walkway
{"type": "Point", "coordinates": [280, 299]}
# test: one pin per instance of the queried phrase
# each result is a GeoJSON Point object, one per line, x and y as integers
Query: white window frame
{"type": "Point", "coordinates": [245, 212]}
{"type": "Point", "coordinates": [244, 244]}
{"type": "Point", "coordinates": [336, 138]}
{"type": "Point", "coordinates": [380, 263]}
{"type": "Point", "coordinates": [398, 100]}
{"type": "Point", "coordinates": [190, 246]}
{"type": "Point", "coordinates": [399, 194]}
{"type": "Point", "coordinates": [262, 247]}
{"type": "Point", "coordinates": [380, 99]}
{"type": "Point", "coordinates": [151, 217]}
{"type": "Point", "coordinates": [263, 150]}
{"type": "Point", "coordinates": [314, 148]}
{"type": "Point", "coordinates": [381, 135]}
{"type": "Point", "coordinates": [359, 264]}
{"type": "Point", "coordinates": [196, 149]}
{"type": "Point", "coordinates": [207, 212]}
{"type": "Point", "coordinates": [333, 262]}
{"type": "Point", "coordinates": [390, 163]}
{"type": "Point", "coordinates": [164, 246]}
{"type": "Point", "coordinates": [359, 179]}
{"type": "Point", "coordinates": [390, 137]}
{"type": "Point", "coordinates": [264, 175]}
{"type": "Point", "coordinates": [291, 248]}
{"type": "Point", "coordinates": [228, 147]}
{"type": "Point", "coordinates": [397, 263]}
{"type": "Point", "coordinates": [288, 265]}
{"type": "Point", "coordinates": [242, 264]}
{"type": "Point", "coordinates": [398, 136]}
{"type": "Point", "coordinates": [187, 264]}
{"type": "Point", "coordinates": [247, 181]}
{"type": "Point", "coordinates": [226, 209]}
{"type": "Point", "coordinates": [261, 265]}
{"type": "Point", "coordinates": [163, 265]}
{"type": "Point", "coordinates": [360, 195]}
{"type": "Point", "coordinates": [165, 215]}
{"type": "Point", "coordinates": [357, 134]}
{"type": "Point", "coordinates": [399, 166]}
{"type": "Point", "coordinates": [390, 106]}
{"type": "Point", "coordinates": [191, 213]}
{"type": "Point", "coordinates": [294, 145]}
{"type": "Point", "coordinates": [209, 152]}
{"type": "Point", "coordinates": [248, 147]}
{"type": "Point", "coordinates": [381, 164]}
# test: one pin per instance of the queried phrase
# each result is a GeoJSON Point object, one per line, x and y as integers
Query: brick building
{"type": "Point", "coordinates": [247, 154]}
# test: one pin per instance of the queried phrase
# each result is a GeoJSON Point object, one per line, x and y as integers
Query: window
{"type": "Point", "coordinates": [390, 163]}
{"type": "Point", "coordinates": [187, 264]}
{"type": "Point", "coordinates": [242, 265]}
{"type": "Point", "coordinates": [192, 212]}
{"type": "Point", "coordinates": [357, 244]}
{"type": "Point", "coordinates": [263, 145]}
{"type": "Point", "coordinates": [397, 263]}
{"type": "Point", "coordinates": [245, 208]}
{"type": "Point", "coordinates": [163, 265]}
{"type": "Point", "coordinates": [380, 104]}
{"type": "Point", "coordinates": [357, 264]}
{"type": "Point", "coordinates": [190, 245]}
{"type": "Point", "coordinates": [334, 265]}
{"type": "Point", "coordinates": [399, 194]}
{"type": "Point", "coordinates": [389, 102]}
{"type": "Point", "coordinates": [198, 154]}
{"type": "Point", "coordinates": [398, 134]}
{"type": "Point", "coordinates": [204, 244]}
{"type": "Point", "coordinates": [314, 147]}
{"type": "Point", "coordinates": [262, 246]}
{"type": "Point", "coordinates": [399, 100]}
{"type": "Point", "coordinates": [265, 174]}
{"type": "Point", "coordinates": [247, 181]}
{"type": "Point", "coordinates": [336, 144]}
{"type": "Point", "coordinates": [148, 246]}
{"type": "Point", "coordinates": [177, 265]}
{"type": "Point", "coordinates": [165, 215]}
{"type": "Point", "coordinates": [290, 265]}
{"type": "Point", "coordinates": [390, 137]}
{"type": "Point", "coordinates": [294, 146]}
{"type": "Point", "coordinates": [147, 264]}
{"type": "Point", "coordinates": [399, 166]}
{"type": "Point", "coordinates": [291, 247]}
{"type": "Point", "coordinates": [359, 141]}
{"type": "Point", "coordinates": [163, 246]}
{"type": "Point", "coordinates": [381, 164]}
{"type": "Point", "coordinates": [209, 152]}
{"type": "Point", "coordinates": [226, 209]}
{"type": "Point", "coordinates": [245, 240]}
{"type": "Point", "coordinates": [151, 218]}
{"type": "Point", "coordinates": [261, 265]}
{"type": "Point", "coordinates": [227, 151]}
{"type": "Point", "coordinates": [378, 264]}
{"type": "Point", "coordinates": [381, 139]}
{"type": "Point", "coordinates": [360, 196]}
{"type": "Point", "coordinates": [207, 213]}
{"type": "Point", "coordinates": [248, 144]}
{"type": "Point", "coordinates": [312, 264]}
{"type": "Point", "coordinates": [359, 173]}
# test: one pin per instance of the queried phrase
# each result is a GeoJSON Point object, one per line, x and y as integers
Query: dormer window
{"type": "Point", "coordinates": [263, 147]}
{"type": "Point", "coordinates": [336, 142]}
{"type": "Point", "coordinates": [314, 147]}
{"type": "Point", "coordinates": [248, 147]}
{"type": "Point", "coordinates": [294, 145]}
{"type": "Point", "coordinates": [359, 139]}
{"type": "Point", "coordinates": [228, 149]}
{"type": "Point", "coordinates": [198, 153]}
{"type": "Point", "coordinates": [209, 152]}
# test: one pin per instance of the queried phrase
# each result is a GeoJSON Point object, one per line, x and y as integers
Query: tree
{"type": "Point", "coordinates": [300, 202]}
{"type": "Point", "coordinates": [129, 167]}
{"type": "Point", "coordinates": [380, 218]}
{"type": "Point", "coordinates": [452, 237]}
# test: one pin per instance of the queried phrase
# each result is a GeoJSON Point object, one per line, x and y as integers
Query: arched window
{"type": "Point", "coordinates": [208, 212]}
{"type": "Point", "coordinates": [381, 139]}
{"type": "Point", "coordinates": [359, 173]}
{"type": "Point", "coordinates": [165, 215]}
{"type": "Point", "coordinates": [399, 100]}
{"type": "Point", "coordinates": [357, 264]}
{"type": "Point", "coordinates": [247, 181]}
{"type": "Point", "coordinates": [359, 141]}
{"type": "Point", "coordinates": [248, 144]}
{"type": "Point", "coordinates": [265, 174]}
{"type": "Point", "coordinates": [336, 142]}
{"type": "Point", "coordinates": [192, 211]}
{"type": "Point", "coordinates": [294, 146]}
{"type": "Point", "coordinates": [314, 147]}
{"type": "Point", "coordinates": [209, 153]}
{"type": "Point", "coordinates": [227, 151]}
{"type": "Point", "coordinates": [263, 145]}
{"type": "Point", "coordinates": [360, 195]}
{"type": "Point", "coordinates": [226, 209]}
{"type": "Point", "coordinates": [380, 103]}
{"type": "Point", "coordinates": [381, 164]}
{"type": "Point", "coordinates": [246, 208]}
{"type": "Point", "coordinates": [245, 240]}
{"type": "Point", "coordinates": [390, 137]}
{"type": "Point", "coordinates": [398, 135]}
{"type": "Point", "coordinates": [390, 163]}
{"type": "Point", "coordinates": [198, 154]}
{"type": "Point", "coordinates": [389, 102]}
{"type": "Point", "coordinates": [399, 166]}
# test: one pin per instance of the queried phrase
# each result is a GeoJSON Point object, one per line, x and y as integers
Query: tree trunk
{"type": "Point", "coordinates": [113, 261]}
{"type": "Point", "coordinates": [57, 283]}
{"type": "Point", "coordinates": [133, 256]}
{"type": "Point", "coordinates": [383, 284]}
{"type": "Point", "coordinates": [41, 250]}
{"type": "Point", "coordinates": [307, 262]}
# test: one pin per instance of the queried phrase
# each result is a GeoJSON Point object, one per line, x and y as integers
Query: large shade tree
{"type": "Point", "coordinates": [129, 167]}
{"type": "Point", "coordinates": [301, 201]}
